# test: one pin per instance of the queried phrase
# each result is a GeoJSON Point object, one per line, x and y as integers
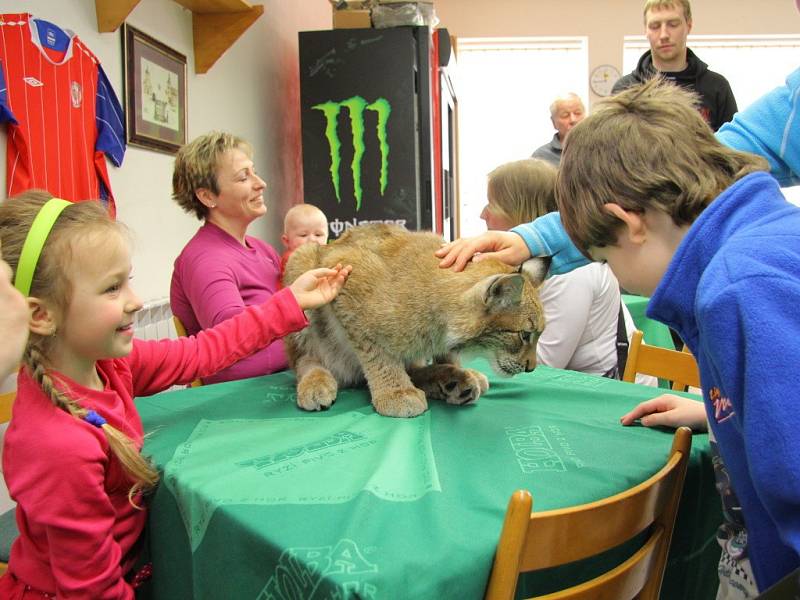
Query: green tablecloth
{"type": "Point", "coordinates": [262, 500]}
{"type": "Point", "coordinates": [655, 333]}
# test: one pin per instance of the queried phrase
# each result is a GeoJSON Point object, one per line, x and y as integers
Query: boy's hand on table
{"type": "Point", "coordinates": [669, 410]}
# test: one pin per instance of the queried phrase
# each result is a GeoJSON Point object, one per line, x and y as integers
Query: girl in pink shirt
{"type": "Point", "coordinates": [71, 456]}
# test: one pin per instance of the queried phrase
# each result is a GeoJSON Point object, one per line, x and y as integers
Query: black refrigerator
{"type": "Point", "coordinates": [372, 127]}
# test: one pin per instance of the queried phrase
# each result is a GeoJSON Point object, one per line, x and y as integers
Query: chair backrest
{"type": "Point", "coordinates": [181, 331]}
{"type": "Point", "coordinates": [532, 541]}
{"type": "Point", "coordinates": [680, 368]}
{"type": "Point", "coordinates": [6, 401]}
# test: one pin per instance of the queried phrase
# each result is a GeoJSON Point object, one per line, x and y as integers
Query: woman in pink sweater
{"type": "Point", "coordinates": [221, 270]}
{"type": "Point", "coordinates": [71, 455]}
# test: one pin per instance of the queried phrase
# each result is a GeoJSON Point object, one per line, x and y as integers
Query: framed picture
{"type": "Point", "coordinates": [155, 92]}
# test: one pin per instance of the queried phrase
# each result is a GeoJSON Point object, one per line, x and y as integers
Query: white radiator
{"type": "Point", "coordinates": [154, 321]}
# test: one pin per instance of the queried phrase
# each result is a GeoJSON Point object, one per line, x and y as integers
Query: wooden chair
{"type": "Point", "coordinates": [8, 524]}
{"type": "Point", "coordinates": [680, 368]}
{"type": "Point", "coordinates": [6, 402]}
{"type": "Point", "coordinates": [532, 541]}
{"type": "Point", "coordinates": [181, 331]}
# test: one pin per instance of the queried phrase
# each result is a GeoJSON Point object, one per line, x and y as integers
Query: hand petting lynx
{"type": "Point", "coordinates": [400, 322]}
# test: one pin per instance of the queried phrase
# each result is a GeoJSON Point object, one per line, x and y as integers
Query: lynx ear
{"type": "Point", "coordinates": [503, 292]}
{"type": "Point", "coordinates": [536, 269]}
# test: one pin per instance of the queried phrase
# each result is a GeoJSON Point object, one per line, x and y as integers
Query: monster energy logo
{"type": "Point", "coordinates": [356, 107]}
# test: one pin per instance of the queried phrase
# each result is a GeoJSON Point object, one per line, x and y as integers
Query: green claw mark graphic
{"type": "Point", "coordinates": [383, 109]}
{"type": "Point", "coordinates": [356, 106]}
{"type": "Point", "coordinates": [331, 112]}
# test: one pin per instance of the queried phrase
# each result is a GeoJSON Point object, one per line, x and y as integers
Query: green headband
{"type": "Point", "coordinates": [34, 243]}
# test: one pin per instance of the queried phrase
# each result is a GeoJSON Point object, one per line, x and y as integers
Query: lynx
{"type": "Point", "coordinates": [400, 322]}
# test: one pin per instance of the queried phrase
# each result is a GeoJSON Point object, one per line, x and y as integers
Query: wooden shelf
{"type": "Point", "coordinates": [111, 13]}
{"type": "Point", "coordinates": [214, 6]}
{"type": "Point", "coordinates": [216, 24]}
{"type": "Point", "coordinates": [214, 33]}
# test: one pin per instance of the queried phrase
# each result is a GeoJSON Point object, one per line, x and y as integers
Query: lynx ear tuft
{"type": "Point", "coordinates": [536, 269]}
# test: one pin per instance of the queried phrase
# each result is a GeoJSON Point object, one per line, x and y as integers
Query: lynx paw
{"type": "Point", "coordinates": [450, 383]}
{"type": "Point", "coordinates": [316, 390]}
{"type": "Point", "coordinates": [404, 402]}
{"type": "Point", "coordinates": [463, 387]}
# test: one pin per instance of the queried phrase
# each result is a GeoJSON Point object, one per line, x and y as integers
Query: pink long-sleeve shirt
{"type": "Point", "coordinates": [214, 278]}
{"type": "Point", "coordinates": [78, 531]}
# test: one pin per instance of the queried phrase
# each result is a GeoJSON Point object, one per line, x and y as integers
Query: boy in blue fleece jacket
{"type": "Point", "coordinates": [705, 232]}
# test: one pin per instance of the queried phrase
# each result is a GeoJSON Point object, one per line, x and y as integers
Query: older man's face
{"type": "Point", "coordinates": [568, 113]}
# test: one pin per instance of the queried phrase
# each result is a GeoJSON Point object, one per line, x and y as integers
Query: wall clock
{"type": "Point", "coordinates": [602, 79]}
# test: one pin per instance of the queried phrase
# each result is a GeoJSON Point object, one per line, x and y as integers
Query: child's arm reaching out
{"type": "Point", "coordinates": [157, 365]}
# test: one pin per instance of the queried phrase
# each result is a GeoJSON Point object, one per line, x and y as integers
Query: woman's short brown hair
{"type": "Point", "coordinates": [645, 148]}
{"type": "Point", "coordinates": [523, 189]}
{"type": "Point", "coordinates": [196, 167]}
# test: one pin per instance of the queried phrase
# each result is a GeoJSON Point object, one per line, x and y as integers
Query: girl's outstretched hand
{"type": "Point", "coordinates": [317, 287]}
{"type": "Point", "coordinates": [669, 410]}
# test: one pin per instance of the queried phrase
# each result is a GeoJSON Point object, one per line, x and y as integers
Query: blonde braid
{"type": "Point", "coordinates": [136, 466]}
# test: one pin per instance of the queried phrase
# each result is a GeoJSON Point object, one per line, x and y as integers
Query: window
{"type": "Point", "coordinates": [505, 87]}
{"type": "Point", "coordinates": [792, 194]}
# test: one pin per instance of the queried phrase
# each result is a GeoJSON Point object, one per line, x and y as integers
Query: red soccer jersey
{"type": "Point", "coordinates": [62, 113]}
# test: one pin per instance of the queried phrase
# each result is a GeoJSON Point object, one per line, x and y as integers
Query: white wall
{"type": "Point", "coordinates": [252, 91]}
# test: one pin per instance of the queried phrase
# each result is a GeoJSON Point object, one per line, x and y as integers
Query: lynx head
{"type": "Point", "coordinates": [512, 317]}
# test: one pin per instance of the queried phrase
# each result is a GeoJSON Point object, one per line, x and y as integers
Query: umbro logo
{"type": "Point", "coordinates": [33, 82]}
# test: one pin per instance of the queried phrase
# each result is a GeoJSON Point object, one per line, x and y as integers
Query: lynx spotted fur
{"type": "Point", "coordinates": [400, 322]}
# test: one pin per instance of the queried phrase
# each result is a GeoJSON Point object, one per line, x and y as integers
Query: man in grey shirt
{"type": "Point", "coordinates": [565, 112]}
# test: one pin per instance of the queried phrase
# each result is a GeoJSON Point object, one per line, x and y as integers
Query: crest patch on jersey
{"type": "Point", "coordinates": [76, 92]}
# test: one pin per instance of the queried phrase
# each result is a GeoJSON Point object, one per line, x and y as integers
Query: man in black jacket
{"type": "Point", "coordinates": [667, 25]}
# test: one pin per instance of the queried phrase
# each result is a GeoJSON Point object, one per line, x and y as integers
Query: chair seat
{"type": "Point", "coordinates": [8, 533]}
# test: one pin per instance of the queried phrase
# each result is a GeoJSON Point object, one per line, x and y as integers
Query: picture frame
{"type": "Point", "coordinates": [155, 92]}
